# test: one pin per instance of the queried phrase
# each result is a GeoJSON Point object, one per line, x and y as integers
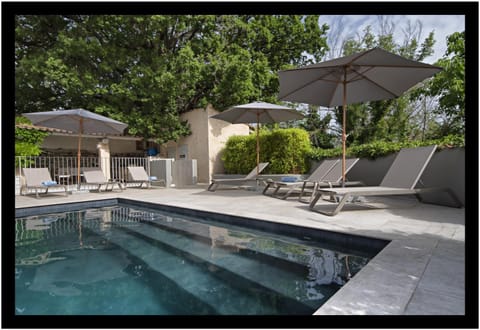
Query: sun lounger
{"type": "Point", "coordinates": [95, 177]}
{"type": "Point", "coordinates": [316, 175]}
{"type": "Point", "coordinates": [401, 179]}
{"type": "Point", "coordinates": [252, 176]}
{"type": "Point", "coordinates": [138, 175]}
{"type": "Point", "coordinates": [331, 177]}
{"type": "Point", "coordinates": [39, 179]}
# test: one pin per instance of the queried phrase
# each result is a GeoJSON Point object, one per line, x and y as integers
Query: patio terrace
{"type": "Point", "coordinates": [421, 272]}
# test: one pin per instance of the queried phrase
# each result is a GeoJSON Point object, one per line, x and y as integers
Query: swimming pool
{"type": "Point", "coordinates": [122, 257]}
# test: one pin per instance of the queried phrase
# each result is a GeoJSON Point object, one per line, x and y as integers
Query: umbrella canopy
{"type": "Point", "coordinates": [258, 112]}
{"type": "Point", "coordinates": [370, 75]}
{"type": "Point", "coordinates": [79, 121]}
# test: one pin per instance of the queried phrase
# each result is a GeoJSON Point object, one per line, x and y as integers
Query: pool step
{"type": "Point", "coordinates": [276, 276]}
{"type": "Point", "coordinates": [324, 263]}
{"type": "Point", "coordinates": [193, 276]}
{"type": "Point", "coordinates": [310, 256]}
{"type": "Point", "coordinates": [273, 246]}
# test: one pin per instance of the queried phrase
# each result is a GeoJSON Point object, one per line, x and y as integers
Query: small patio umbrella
{"type": "Point", "coordinates": [258, 112]}
{"type": "Point", "coordinates": [79, 121]}
{"type": "Point", "coordinates": [370, 75]}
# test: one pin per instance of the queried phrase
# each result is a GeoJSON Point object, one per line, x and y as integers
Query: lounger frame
{"type": "Point", "coordinates": [252, 176]}
{"type": "Point", "coordinates": [401, 179]}
{"type": "Point", "coordinates": [34, 178]}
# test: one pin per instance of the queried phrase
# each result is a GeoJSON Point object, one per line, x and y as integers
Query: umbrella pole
{"type": "Point", "coordinates": [79, 152]}
{"type": "Point", "coordinates": [258, 142]}
{"type": "Point", "coordinates": [344, 124]}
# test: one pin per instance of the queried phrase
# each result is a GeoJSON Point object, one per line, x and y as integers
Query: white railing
{"type": "Point", "coordinates": [64, 170]}
{"type": "Point", "coordinates": [118, 167]}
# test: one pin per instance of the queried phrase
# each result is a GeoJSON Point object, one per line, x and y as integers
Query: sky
{"type": "Point", "coordinates": [351, 25]}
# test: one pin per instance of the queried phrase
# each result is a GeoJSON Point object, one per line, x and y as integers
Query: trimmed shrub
{"type": "Point", "coordinates": [287, 151]}
{"type": "Point", "coordinates": [382, 148]}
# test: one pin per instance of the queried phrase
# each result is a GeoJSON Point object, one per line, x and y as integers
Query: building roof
{"type": "Point", "coordinates": [57, 131]}
{"type": "Point", "coordinates": [42, 128]}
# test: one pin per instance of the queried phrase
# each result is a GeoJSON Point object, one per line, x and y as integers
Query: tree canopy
{"type": "Point", "coordinates": [431, 110]}
{"type": "Point", "coordinates": [147, 70]}
{"type": "Point", "coordinates": [389, 120]}
{"type": "Point", "coordinates": [449, 86]}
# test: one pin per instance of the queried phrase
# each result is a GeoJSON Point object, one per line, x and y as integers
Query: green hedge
{"type": "Point", "coordinates": [382, 148]}
{"type": "Point", "coordinates": [287, 151]}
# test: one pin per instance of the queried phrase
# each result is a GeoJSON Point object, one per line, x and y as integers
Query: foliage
{"type": "Point", "coordinates": [388, 120]}
{"type": "Point", "coordinates": [27, 141]}
{"type": "Point", "coordinates": [286, 150]}
{"type": "Point", "coordinates": [449, 86]}
{"type": "Point", "coordinates": [382, 148]}
{"type": "Point", "coordinates": [147, 70]}
{"type": "Point", "coordinates": [318, 128]}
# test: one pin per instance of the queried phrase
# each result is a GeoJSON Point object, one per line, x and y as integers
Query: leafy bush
{"type": "Point", "coordinates": [287, 151]}
{"type": "Point", "coordinates": [27, 141]}
{"type": "Point", "coordinates": [382, 148]}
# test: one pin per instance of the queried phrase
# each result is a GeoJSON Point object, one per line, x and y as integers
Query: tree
{"type": "Point", "coordinates": [449, 86]}
{"type": "Point", "coordinates": [318, 128]}
{"type": "Point", "coordinates": [389, 120]}
{"type": "Point", "coordinates": [147, 70]}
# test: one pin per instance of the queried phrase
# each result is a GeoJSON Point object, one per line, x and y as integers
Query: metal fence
{"type": "Point", "coordinates": [64, 170]}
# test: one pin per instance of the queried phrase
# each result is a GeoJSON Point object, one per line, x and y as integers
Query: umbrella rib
{"type": "Point", "coordinates": [373, 82]}
{"type": "Point", "coordinates": [106, 124]}
{"type": "Point", "coordinates": [310, 82]}
{"type": "Point", "coordinates": [267, 113]}
{"type": "Point", "coordinates": [241, 113]}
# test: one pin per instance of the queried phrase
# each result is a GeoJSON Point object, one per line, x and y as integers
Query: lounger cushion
{"type": "Point", "coordinates": [49, 183]}
{"type": "Point", "coordinates": [289, 179]}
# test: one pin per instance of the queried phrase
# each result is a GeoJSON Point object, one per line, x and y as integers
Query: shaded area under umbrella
{"type": "Point", "coordinates": [258, 112]}
{"type": "Point", "coordinates": [78, 121]}
{"type": "Point", "coordinates": [370, 75]}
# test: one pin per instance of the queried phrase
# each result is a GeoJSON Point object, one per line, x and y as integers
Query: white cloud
{"type": "Point", "coordinates": [346, 26]}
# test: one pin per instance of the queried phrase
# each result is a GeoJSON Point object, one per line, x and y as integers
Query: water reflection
{"type": "Point", "coordinates": [60, 253]}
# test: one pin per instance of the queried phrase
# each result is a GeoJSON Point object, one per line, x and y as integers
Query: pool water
{"type": "Point", "coordinates": [132, 260]}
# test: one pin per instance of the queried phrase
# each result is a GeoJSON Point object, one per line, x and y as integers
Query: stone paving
{"type": "Point", "coordinates": [420, 272]}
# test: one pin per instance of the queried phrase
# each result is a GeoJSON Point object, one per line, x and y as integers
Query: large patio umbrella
{"type": "Point", "coordinates": [79, 121]}
{"type": "Point", "coordinates": [370, 75]}
{"type": "Point", "coordinates": [258, 112]}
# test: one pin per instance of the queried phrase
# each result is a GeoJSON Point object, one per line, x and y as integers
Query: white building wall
{"type": "Point", "coordinates": [219, 131]}
{"type": "Point", "coordinates": [206, 142]}
{"type": "Point", "coordinates": [117, 145]}
{"type": "Point", "coordinates": [70, 143]}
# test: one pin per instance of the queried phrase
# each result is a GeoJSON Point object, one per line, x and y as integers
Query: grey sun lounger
{"type": "Point", "coordinates": [138, 175]}
{"type": "Point", "coordinates": [327, 174]}
{"type": "Point", "coordinates": [333, 179]}
{"type": "Point", "coordinates": [252, 176]}
{"type": "Point", "coordinates": [95, 177]}
{"type": "Point", "coordinates": [401, 179]}
{"type": "Point", "coordinates": [39, 179]}
{"type": "Point", "coordinates": [316, 175]}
